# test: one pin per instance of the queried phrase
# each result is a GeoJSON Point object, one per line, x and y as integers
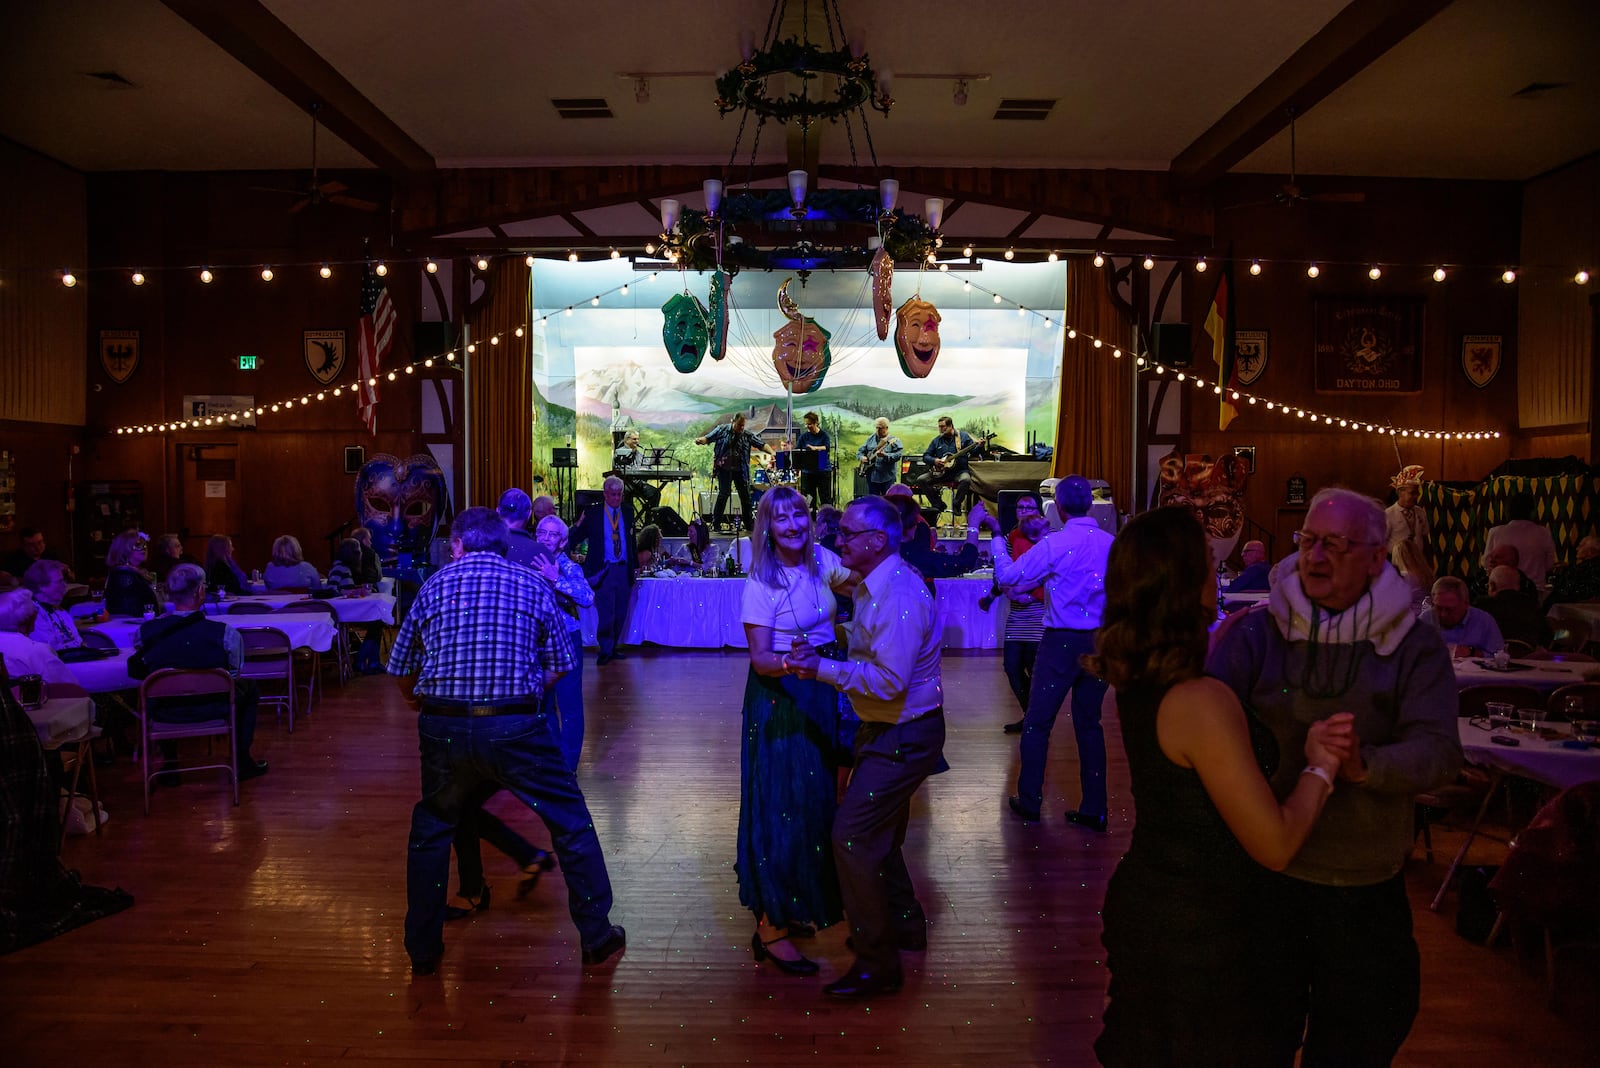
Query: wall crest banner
{"type": "Point", "coordinates": [1480, 358]}
{"type": "Point", "coordinates": [1250, 355]}
{"type": "Point", "coordinates": [119, 354]}
{"type": "Point", "coordinates": [325, 354]}
{"type": "Point", "coordinates": [1368, 346]}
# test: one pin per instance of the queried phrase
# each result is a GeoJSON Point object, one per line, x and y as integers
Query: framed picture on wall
{"type": "Point", "coordinates": [1368, 345]}
{"type": "Point", "coordinates": [1247, 453]}
{"type": "Point", "coordinates": [324, 350]}
{"type": "Point", "coordinates": [1480, 358]}
{"type": "Point", "coordinates": [1250, 355]}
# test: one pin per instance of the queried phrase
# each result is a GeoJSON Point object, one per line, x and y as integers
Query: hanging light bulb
{"type": "Point", "coordinates": [410, 370]}
{"type": "Point", "coordinates": [997, 298]}
{"type": "Point", "coordinates": [1149, 264]}
{"type": "Point", "coordinates": [428, 362]}
{"type": "Point", "coordinates": [1052, 258]}
{"type": "Point", "coordinates": [594, 301]}
{"type": "Point", "coordinates": [1097, 343]}
{"type": "Point", "coordinates": [1313, 270]}
{"type": "Point", "coordinates": [944, 268]}
{"type": "Point", "coordinates": [69, 279]}
{"type": "Point", "coordinates": [1582, 278]}
{"type": "Point", "coordinates": [483, 264]}
{"type": "Point", "coordinates": [338, 391]}
{"type": "Point", "coordinates": [1011, 253]}
{"type": "Point", "coordinates": [519, 331]}
{"type": "Point", "coordinates": [433, 268]}
{"type": "Point", "coordinates": [649, 248]}
{"type": "Point", "coordinates": [266, 274]}
{"type": "Point", "coordinates": [138, 278]}
{"type": "Point", "coordinates": [1200, 265]}
{"type": "Point", "coordinates": [1072, 332]}
{"type": "Point", "coordinates": [966, 250]}
{"type": "Point", "coordinates": [615, 254]}
{"type": "Point", "coordinates": [472, 347]}
{"type": "Point", "coordinates": [206, 276]}
{"type": "Point", "coordinates": [1255, 266]}
{"type": "Point", "coordinates": [966, 287]}
{"type": "Point", "coordinates": [527, 260]}
{"type": "Point", "coordinates": [1374, 272]}
{"type": "Point", "coordinates": [326, 272]}
{"type": "Point", "coordinates": [572, 257]}
{"type": "Point", "coordinates": [624, 289]}
{"type": "Point", "coordinates": [381, 269]}
{"type": "Point", "coordinates": [1099, 260]}
{"type": "Point", "coordinates": [495, 340]}
{"type": "Point", "coordinates": [391, 376]}
{"type": "Point", "coordinates": [1438, 274]}
{"type": "Point", "coordinates": [1508, 276]}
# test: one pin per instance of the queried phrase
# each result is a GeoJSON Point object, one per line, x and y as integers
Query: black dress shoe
{"type": "Point", "coordinates": [859, 983]}
{"type": "Point", "coordinates": [1014, 727]}
{"type": "Point", "coordinates": [1083, 819]}
{"type": "Point", "coordinates": [1028, 815]}
{"type": "Point", "coordinates": [541, 863]}
{"type": "Point", "coordinates": [602, 660]}
{"type": "Point", "coordinates": [426, 966]}
{"type": "Point", "coordinates": [797, 966]}
{"type": "Point", "coordinates": [252, 769]}
{"type": "Point", "coordinates": [614, 943]}
{"type": "Point", "coordinates": [619, 655]}
{"type": "Point", "coordinates": [464, 905]}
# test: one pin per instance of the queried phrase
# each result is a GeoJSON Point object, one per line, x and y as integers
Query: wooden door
{"type": "Point", "coordinates": [208, 495]}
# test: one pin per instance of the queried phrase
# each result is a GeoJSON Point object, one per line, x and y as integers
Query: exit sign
{"type": "Point", "coordinates": [247, 363]}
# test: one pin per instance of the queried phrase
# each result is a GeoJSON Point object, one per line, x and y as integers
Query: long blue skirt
{"type": "Point", "coordinates": [787, 796]}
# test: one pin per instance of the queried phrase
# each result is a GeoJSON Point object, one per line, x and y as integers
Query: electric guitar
{"type": "Point", "coordinates": [942, 464]}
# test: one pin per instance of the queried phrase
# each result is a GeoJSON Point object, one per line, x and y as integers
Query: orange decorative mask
{"type": "Point", "coordinates": [1212, 489]}
{"type": "Point", "coordinates": [916, 338]}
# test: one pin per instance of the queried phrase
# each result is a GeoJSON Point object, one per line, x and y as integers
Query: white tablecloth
{"type": "Point", "coordinates": [703, 613]}
{"type": "Point", "coordinates": [1532, 758]}
{"type": "Point", "coordinates": [62, 719]}
{"type": "Point", "coordinates": [1541, 674]}
{"type": "Point", "coordinates": [105, 676]}
{"type": "Point", "coordinates": [373, 608]}
{"type": "Point", "coordinates": [308, 630]}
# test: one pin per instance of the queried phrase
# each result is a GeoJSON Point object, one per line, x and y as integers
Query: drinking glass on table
{"type": "Point", "coordinates": [1586, 730]}
{"type": "Point", "coordinates": [1503, 711]}
{"type": "Point", "coordinates": [1528, 718]}
{"type": "Point", "coordinates": [1572, 708]}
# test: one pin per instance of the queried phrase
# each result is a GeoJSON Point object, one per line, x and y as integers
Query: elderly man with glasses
{"type": "Point", "coordinates": [1338, 635]}
{"type": "Point", "coordinates": [892, 677]}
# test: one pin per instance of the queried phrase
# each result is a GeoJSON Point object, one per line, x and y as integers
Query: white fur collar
{"type": "Point", "coordinates": [1383, 615]}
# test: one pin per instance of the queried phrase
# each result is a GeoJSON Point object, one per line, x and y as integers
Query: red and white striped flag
{"type": "Point", "coordinates": [377, 338]}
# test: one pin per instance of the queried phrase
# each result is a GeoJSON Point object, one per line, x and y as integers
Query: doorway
{"type": "Point", "coordinates": [208, 495]}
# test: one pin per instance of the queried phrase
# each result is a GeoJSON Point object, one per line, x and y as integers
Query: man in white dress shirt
{"type": "Point", "coordinates": [1071, 565]}
{"type": "Point", "coordinates": [892, 678]}
{"type": "Point", "coordinates": [1536, 549]}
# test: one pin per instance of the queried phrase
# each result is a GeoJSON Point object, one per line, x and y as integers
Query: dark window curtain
{"type": "Point", "coordinates": [1094, 429]}
{"type": "Point", "coordinates": [500, 391]}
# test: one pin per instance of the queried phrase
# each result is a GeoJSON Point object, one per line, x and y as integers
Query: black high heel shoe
{"type": "Point", "coordinates": [759, 950]}
{"type": "Point", "coordinates": [469, 905]}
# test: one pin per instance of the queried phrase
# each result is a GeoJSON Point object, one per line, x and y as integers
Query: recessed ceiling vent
{"type": "Point", "coordinates": [1534, 90]}
{"type": "Point", "coordinates": [583, 107]}
{"type": "Point", "coordinates": [1025, 110]}
{"type": "Point", "coordinates": [110, 79]}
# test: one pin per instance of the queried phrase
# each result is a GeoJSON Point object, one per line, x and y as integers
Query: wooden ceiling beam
{"type": "Point", "coordinates": [255, 37]}
{"type": "Point", "coordinates": [1347, 45]}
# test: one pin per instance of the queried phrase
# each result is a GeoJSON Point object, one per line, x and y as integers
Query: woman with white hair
{"type": "Point", "coordinates": [19, 652]}
{"type": "Point", "coordinates": [128, 588]}
{"type": "Point", "coordinates": [288, 569]}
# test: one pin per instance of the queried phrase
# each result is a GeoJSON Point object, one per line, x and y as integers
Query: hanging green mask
{"type": "Point", "coordinates": [685, 330]}
{"type": "Point", "coordinates": [720, 284]}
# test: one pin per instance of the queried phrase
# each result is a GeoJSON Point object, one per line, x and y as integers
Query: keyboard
{"type": "Point", "coordinates": [660, 474]}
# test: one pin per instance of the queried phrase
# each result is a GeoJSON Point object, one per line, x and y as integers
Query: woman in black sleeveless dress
{"type": "Point", "coordinates": [1181, 908]}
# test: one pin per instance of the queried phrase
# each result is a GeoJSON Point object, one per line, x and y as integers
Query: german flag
{"type": "Point", "coordinates": [1220, 325]}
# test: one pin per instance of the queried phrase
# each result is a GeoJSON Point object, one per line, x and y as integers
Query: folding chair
{"type": "Point", "coordinates": [78, 747]}
{"type": "Point", "coordinates": [180, 682]}
{"type": "Point", "coordinates": [268, 657]}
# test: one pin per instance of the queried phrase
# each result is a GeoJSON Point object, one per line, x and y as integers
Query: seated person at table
{"type": "Point", "coordinates": [1536, 549]}
{"type": "Point", "coordinates": [648, 548]}
{"type": "Point", "coordinates": [185, 638]}
{"type": "Point", "coordinates": [33, 549]}
{"type": "Point", "coordinates": [222, 570]}
{"type": "Point", "coordinates": [288, 569]}
{"type": "Point", "coordinates": [1467, 631]}
{"type": "Point", "coordinates": [1579, 581]}
{"type": "Point", "coordinates": [1502, 556]}
{"type": "Point", "coordinates": [168, 554]}
{"type": "Point", "coordinates": [129, 590]}
{"type": "Point", "coordinates": [1252, 577]}
{"type": "Point", "coordinates": [20, 653]}
{"type": "Point", "coordinates": [1516, 612]}
{"type": "Point", "coordinates": [371, 572]}
{"type": "Point", "coordinates": [918, 549]}
{"type": "Point", "coordinates": [47, 581]}
{"type": "Point", "coordinates": [346, 562]}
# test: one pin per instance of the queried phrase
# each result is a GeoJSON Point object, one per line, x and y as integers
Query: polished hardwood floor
{"type": "Point", "coordinates": [271, 933]}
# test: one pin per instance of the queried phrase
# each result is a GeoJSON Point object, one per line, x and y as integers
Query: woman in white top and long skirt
{"type": "Point", "coordinates": [793, 730]}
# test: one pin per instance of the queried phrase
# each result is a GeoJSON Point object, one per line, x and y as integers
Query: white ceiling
{"type": "Point", "coordinates": [1136, 82]}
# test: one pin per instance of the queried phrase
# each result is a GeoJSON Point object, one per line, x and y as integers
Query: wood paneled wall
{"type": "Point", "coordinates": [1555, 322]}
{"type": "Point", "coordinates": [1402, 222]}
{"type": "Point", "coordinates": [42, 232]}
{"type": "Point", "coordinates": [291, 469]}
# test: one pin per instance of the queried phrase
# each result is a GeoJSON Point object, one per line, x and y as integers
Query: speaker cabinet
{"type": "Point", "coordinates": [433, 339]}
{"type": "Point", "coordinates": [671, 523]}
{"type": "Point", "coordinates": [354, 457]}
{"type": "Point", "coordinates": [583, 500]}
{"type": "Point", "coordinates": [1171, 344]}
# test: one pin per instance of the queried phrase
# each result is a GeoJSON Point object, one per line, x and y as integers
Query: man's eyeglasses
{"type": "Point", "coordinates": [846, 534]}
{"type": "Point", "coordinates": [1332, 544]}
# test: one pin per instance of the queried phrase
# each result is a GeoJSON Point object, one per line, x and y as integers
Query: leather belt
{"type": "Point", "coordinates": [520, 708]}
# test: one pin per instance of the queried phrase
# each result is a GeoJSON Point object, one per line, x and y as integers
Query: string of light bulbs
{"type": "Point", "coordinates": [1142, 361]}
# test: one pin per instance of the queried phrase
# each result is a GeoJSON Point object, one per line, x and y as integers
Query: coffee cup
{"type": "Point", "coordinates": [1502, 660]}
{"type": "Point", "coordinates": [32, 691]}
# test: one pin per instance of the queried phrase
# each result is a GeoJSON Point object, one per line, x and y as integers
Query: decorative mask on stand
{"type": "Point", "coordinates": [720, 285]}
{"type": "Point", "coordinates": [882, 272]}
{"type": "Point", "coordinates": [800, 351]}
{"type": "Point", "coordinates": [916, 338]}
{"type": "Point", "coordinates": [686, 330]}
{"type": "Point", "coordinates": [400, 502]}
{"type": "Point", "coordinates": [1213, 490]}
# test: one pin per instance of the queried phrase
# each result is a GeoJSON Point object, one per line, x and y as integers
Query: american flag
{"type": "Point", "coordinates": [377, 338]}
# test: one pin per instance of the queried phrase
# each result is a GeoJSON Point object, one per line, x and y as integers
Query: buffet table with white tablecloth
{"type": "Point", "coordinates": [703, 613]}
{"type": "Point", "coordinates": [306, 630]}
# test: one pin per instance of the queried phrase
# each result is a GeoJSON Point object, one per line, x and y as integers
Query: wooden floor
{"type": "Point", "coordinates": [271, 933]}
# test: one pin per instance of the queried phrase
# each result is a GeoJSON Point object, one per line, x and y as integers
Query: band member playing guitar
{"type": "Point", "coordinates": [880, 458]}
{"type": "Point", "coordinates": [946, 457]}
{"type": "Point", "coordinates": [732, 464]}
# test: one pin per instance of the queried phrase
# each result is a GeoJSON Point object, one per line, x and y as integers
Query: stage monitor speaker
{"type": "Point", "coordinates": [1008, 507]}
{"type": "Point", "coordinates": [354, 457]}
{"type": "Point", "coordinates": [1170, 344]}
{"type": "Point", "coordinates": [431, 340]}
{"type": "Point", "coordinates": [585, 499]}
{"type": "Point", "coordinates": [671, 523]}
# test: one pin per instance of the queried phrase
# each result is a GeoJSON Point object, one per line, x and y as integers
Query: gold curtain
{"type": "Point", "coordinates": [500, 391]}
{"type": "Point", "coordinates": [1094, 427]}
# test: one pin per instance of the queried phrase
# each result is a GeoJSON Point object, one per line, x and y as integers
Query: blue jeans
{"type": "Point", "coordinates": [564, 700]}
{"type": "Point", "coordinates": [1055, 671]}
{"type": "Point", "coordinates": [462, 755]}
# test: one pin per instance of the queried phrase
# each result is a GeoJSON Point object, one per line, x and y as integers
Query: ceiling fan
{"type": "Point", "coordinates": [316, 193]}
{"type": "Point", "coordinates": [1289, 194]}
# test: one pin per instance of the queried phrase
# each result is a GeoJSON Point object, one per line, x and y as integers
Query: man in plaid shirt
{"type": "Point", "coordinates": [480, 644]}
